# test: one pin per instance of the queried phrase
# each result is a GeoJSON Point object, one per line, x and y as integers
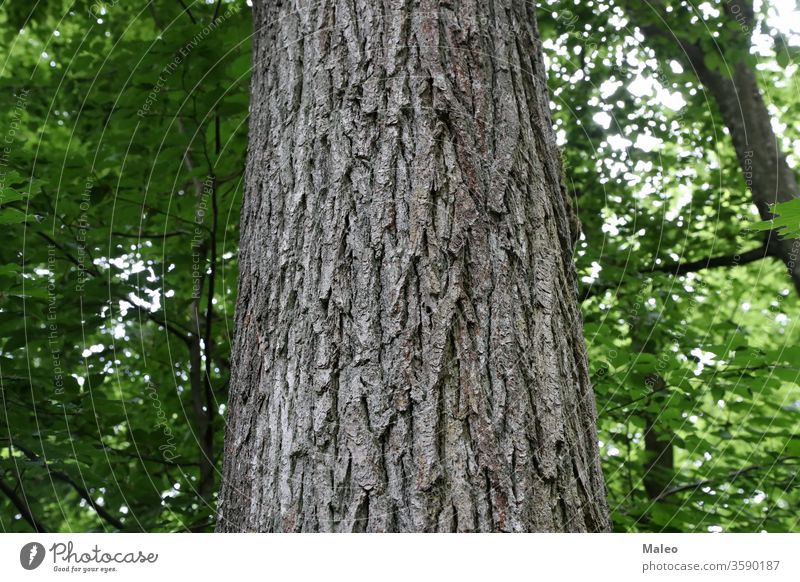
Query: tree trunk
{"type": "Point", "coordinates": [409, 352]}
{"type": "Point", "coordinates": [738, 97]}
{"type": "Point", "coordinates": [768, 176]}
{"type": "Point", "coordinates": [766, 172]}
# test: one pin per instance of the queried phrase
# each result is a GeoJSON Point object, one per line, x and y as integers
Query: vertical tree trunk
{"type": "Point", "coordinates": [659, 468]}
{"type": "Point", "coordinates": [409, 352]}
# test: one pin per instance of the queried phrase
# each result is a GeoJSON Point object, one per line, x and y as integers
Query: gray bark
{"type": "Point", "coordinates": [409, 352]}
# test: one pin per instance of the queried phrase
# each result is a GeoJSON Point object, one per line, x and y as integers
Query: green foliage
{"type": "Point", "coordinates": [705, 360]}
{"type": "Point", "coordinates": [121, 180]}
{"type": "Point", "coordinates": [786, 221]}
{"type": "Point", "coordinates": [120, 183]}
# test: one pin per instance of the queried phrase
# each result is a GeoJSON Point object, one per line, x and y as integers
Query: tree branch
{"type": "Point", "coordinates": [101, 511]}
{"type": "Point", "coordinates": [21, 503]}
{"type": "Point", "coordinates": [82, 491]}
{"type": "Point", "coordinates": [187, 11]}
{"type": "Point", "coordinates": [729, 477]}
{"type": "Point", "coordinates": [146, 458]}
{"type": "Point", "coordinates": [676, 269]}
{"type": "Point", "coordinates": [184, 336]}
{"type": "Point", "coordinates": [155, 235]}
{"type": "Point", "coordinates": [745, 258]}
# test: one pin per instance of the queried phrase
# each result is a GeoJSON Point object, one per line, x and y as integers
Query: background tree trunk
{"type": "Point", "coordinates": [409, 352]}
{"type": "Point", "coordinates": [767, 174]}
{"type": "Point", "coordinates": [736, 93]}
{"type": "Point", "coordinates": [769, 178]}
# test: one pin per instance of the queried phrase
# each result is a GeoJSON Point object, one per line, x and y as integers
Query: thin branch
{"type": "Point", "coordinates": [679, 268]}
{"type": "Point", "coordinates": [184, 336]}
{"type": "Point", "coordinates": [155, 235]}
{"type": "Point", "coordinates": [80, 264]}
{"type": "Point", "coordinates": [207, 340]}
{"type": "Point", "coordinates": [745, 258]}
{"type": "Point", "coordinates": [647, 396]}
{"type": "Point", "coordinates": [146, 458]}
{"type": "Point", "coordinates": [729, 477]}
{"type": "Point", "coordinates": [155, 210]}
{"type": "Point", "coordinates": [101, 511]}
{"type": "Point", "coordinates": [82, 491]}
{"type": "Point", "coordinates": [187, 11]}
{"type": "Point", "coordinates": [21, 503]}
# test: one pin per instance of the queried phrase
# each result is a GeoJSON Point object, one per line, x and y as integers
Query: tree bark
{"type": "Point", "coordinates": [409, 352]}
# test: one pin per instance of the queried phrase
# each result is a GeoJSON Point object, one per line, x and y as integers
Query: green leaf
{"type": "Point", "coordinates": [786, 221]}
{"type": "Point", "coordinates": [13, 216]}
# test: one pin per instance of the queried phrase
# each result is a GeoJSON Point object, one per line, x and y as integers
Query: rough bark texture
{"type": "Point", "coordinates": [409, 352]}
